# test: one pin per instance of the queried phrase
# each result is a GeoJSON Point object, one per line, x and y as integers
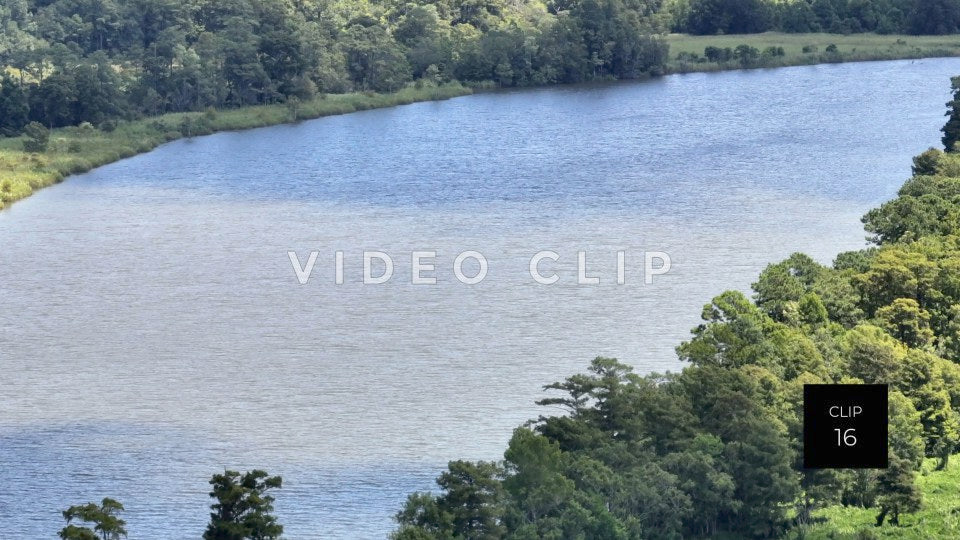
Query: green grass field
{"type": "Point", "coordinates": [939, 517]}
{"type": "Point", "coordinates": [74, 149]}
{"type": "Point", "coordinates": [853, 47]}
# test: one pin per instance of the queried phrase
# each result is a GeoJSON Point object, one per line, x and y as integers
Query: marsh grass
{"type": "Point", "coordinates": [849, 48]}
{"type": "Point", "coordinates": [74, 150]}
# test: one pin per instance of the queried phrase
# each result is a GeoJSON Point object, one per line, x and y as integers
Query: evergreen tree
{"type": "Point", "coordinates": [951, 131]}
{"type": "Point", "coordinates": [243, 509]}
{"type": "Point", "coordinates": [897, 493]}
{"type": "Point", "coordinates": [106, 524]}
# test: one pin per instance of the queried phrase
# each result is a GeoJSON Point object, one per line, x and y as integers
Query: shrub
{"type": "Point", "coordinates": [772, 51]}
{"type": "Point", "coordinates": [38, 137]}
{"type": "Point", "coordinates": [186, 127]}
{"type": "Point", "coordinates": [74, 147]}
{"type": "Point", "coordinates": [716, 54]}
{"type": "Point", "coordinates": [746, 54]}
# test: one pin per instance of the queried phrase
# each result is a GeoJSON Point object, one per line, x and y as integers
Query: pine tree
{"type": "Point", "coordinates": [951, 130]}
{"type": "Point", "coordinates": [898, 493]}
{"type": "Point", "coordinates": [106, 524]}
{"type": "Point", "coordinates": [243, 509]}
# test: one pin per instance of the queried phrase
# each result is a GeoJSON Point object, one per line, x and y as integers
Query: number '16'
{"type": "Point", "coordinates": [846, 438]}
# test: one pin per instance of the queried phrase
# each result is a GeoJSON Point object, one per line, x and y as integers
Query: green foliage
{"type": "Point", "coordinates": [746, 55]}
{"type": "Point", "coordinates": [243, 509]}
{"type": "Point", "coordinates": [904, 320]}
{"type": "Point", "coordinates": [106, 524]}
{"type": "Point", "coordinates": [38, 137]}
{"type": "Point", "coordinates": [926, 164]}
{"type": "Point", "coordinates": [716, 449]}
{"type": "Point", "coordinates": [687, 50]}
{"type": "Point", "coordinates": [712, 17]}
{"type": "Point", "coordinates": [633, 458]}
{"type": "Point", "coordinates": [897, 492]}
{"type": "Point", "coordinates": [718, 55]}
{"type": "Point", "coordinates": [108, 60]}
{"type": "Point", "coordinates": [728, 17]}
{"type": "Point", "coordinates": [14, 108]}
{"type": "Point", "coordinates": [951, 130]}
{"type": "Point", "coordinates": [936, 518]}
{"type": "Point", "coordinates": [471, 506]}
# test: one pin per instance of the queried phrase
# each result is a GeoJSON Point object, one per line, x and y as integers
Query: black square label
{"type": "Point", "coordinates": [845, 426]}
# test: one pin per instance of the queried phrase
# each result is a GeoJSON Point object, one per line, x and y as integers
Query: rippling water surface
{"type": "Point", "coordinates": [153, 332]}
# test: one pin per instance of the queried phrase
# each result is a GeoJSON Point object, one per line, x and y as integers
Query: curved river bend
{"type": "Point", "coordinates": [153, 330]}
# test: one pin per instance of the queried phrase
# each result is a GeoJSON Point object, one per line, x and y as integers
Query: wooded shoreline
{"type": "Point", "coordinates": [79, 149]}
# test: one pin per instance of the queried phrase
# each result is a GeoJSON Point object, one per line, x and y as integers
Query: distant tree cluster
{"type": "Point", "coordinates": [64, 62]}
{"type": "Point", "coordinates": [717, 448]}
{"type": "Point", "coordinates": [243, 511]}
{"type": "Point", "coordinates": [835, 16]}
{"type": "Point", "coordinates": [743, 55]}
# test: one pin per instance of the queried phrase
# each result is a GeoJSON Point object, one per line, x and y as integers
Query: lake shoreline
{"type": "Point", "coordinates": [180, 257]}
{"type": "Point", "coordinates": [706, 68]}
{"type": "Point", "coordinates": [777, 49]}
{"type": "Point", "coordinates": [74, 150]}
{"type": "Point", "coordinates": [79, 149]}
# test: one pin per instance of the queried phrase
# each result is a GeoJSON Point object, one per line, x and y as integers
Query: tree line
{"type": "Point", "coordinates": [717, 448]}
{"type": "Point", "coordinates": [833, 16]}
{"type": "Point", "coordinates": [64, 62]}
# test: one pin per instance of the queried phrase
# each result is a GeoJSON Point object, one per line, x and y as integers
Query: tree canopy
{"type": "Point", "coordinates": [64, 62]}
{"type": "Point", "coordinates": [717, 448]}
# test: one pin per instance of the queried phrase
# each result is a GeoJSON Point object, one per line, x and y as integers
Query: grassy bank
{"type": "Point", "coordinates": [804, 49]}
{"type": "Point", "coordinates": [78, 149]}
{"type": "Point", "coordinates": [939, 517]}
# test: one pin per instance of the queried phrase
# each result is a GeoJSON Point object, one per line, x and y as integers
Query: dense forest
{"type": "Point", "coordinates": [66, 62]}
{"type": "Point", "coordinates": [74, 61]}
{"type": "Point", "coordinates": [717, 447]}
{"type": "Point", "coordinates": [834, 16]}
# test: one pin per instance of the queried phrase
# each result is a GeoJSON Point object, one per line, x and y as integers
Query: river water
{"type": "Point", "coordinates": [153, 330]}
